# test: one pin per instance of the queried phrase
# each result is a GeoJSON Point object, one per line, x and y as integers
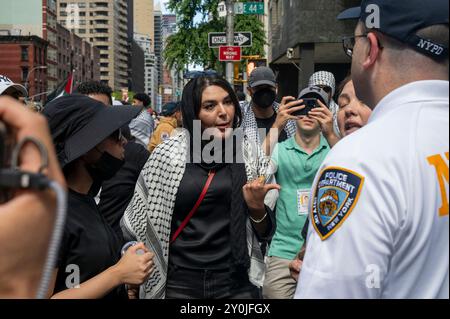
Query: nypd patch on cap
{"type": "Point", "coordinates": [402, 19]}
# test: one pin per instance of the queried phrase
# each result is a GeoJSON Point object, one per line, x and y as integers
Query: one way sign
{"type": "Point", "coordinates": [241, 39]}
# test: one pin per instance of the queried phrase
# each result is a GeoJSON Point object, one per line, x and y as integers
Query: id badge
{"type": "Point", "coordinates": [303, 201]}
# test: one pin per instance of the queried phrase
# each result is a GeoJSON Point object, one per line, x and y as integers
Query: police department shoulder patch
{"type": "Point", "coordinates": [336, 193]}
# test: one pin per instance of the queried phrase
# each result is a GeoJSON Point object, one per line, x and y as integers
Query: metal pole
{"type": "Point", "coordinates": [40, 67]}
{"type": "Point", "coordinates": [230, 39]}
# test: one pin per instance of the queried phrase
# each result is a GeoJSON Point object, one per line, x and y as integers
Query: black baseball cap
{"type": "Point", "coordinates": [170, 108]}
{"type": "Point", "coordinates": [78, 124]}
{"type": "Point", "coordinates": [262, 76]}
{"type": "Point", "coordinates": [401, 19]}
{"type": "Point", "coordinates": [315, 92]}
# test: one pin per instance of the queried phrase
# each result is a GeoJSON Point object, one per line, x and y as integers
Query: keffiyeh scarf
{"type": "Point", "coordinates": [148, 217]}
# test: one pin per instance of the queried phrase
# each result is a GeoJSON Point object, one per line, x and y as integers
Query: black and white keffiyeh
{"type": "Point", "coordinates": [148, 217]}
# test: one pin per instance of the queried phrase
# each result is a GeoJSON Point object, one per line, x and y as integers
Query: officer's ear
{"type": "Point", "coordinates": [374, 50]}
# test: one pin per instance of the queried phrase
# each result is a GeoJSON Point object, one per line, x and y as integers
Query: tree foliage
{"type": "Point", "coordinates": [196, 18]}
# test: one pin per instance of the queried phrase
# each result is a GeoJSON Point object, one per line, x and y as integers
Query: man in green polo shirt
{"type": "Point", "coordinates": [298, 160]}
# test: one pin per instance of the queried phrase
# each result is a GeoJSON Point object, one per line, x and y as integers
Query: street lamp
{"type": "Point", "coordinates": [41, 67]}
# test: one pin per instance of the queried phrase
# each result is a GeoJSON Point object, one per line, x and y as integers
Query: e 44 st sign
{"type": "Point", "coordinates": [249, 8]}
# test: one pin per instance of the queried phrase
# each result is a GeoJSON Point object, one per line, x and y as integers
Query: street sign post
{"type": "Point", "coordinates": [241, 39]}
{"type": "Point", "coordinates": [230, 54]}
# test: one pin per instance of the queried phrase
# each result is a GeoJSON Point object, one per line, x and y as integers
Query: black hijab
{"type": "Point", "coordinates": [190, 107]}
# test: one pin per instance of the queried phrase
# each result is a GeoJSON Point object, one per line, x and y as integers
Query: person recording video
{"type": "Point", "coordinates": [298, 160]}
{"type": "Point", "coordinates": [26, 220]}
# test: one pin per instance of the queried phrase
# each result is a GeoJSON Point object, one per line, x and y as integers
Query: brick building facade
{"type": "Point", "coordinates": [23, 60]}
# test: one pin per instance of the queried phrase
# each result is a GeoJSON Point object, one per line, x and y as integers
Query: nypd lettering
{"type": "Point", "coordinates": [336, 194]}
{"type": "Point", "coordinates": [431, 47]}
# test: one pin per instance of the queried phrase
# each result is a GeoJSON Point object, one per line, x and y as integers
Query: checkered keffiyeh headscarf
{"type": "Point", "coordinates": [323, 78]}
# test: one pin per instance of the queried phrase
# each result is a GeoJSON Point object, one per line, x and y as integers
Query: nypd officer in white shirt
{"type": "Point", "coordinates": [379, 215]}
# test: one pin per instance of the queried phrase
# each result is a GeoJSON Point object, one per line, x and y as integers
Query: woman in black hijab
{"type": "Point", "coordinates": [203, 211]}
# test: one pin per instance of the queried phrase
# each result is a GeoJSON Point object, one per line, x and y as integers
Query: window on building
{"type": "Point", "coordinates": [82, 31]}
{"type": "Point", "coordinates": [82, 14]}
{"type": "Point", "coordinates": [24, 53]}
{"type": "Point", "coordinates": [24, 73]}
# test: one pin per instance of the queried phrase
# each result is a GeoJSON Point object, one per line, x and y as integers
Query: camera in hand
{"type": "Point", "coordinates": [310, 96]}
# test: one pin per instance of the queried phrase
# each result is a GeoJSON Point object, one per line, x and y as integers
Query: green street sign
{"type": "Point", "coordinates": [254, 8]}
{"type": "Point", "coordinates": [249, 8]}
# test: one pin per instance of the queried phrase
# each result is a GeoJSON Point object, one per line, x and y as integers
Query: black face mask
{"type": "Point", "coordinates": [264, 98]}
{"type": "Point", "coordinates": [105, 168]}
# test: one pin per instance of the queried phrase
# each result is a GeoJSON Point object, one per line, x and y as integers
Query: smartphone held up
{"type": "Point", "coordinates": [310, 97]}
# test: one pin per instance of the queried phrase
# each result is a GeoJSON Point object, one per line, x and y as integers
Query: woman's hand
{"type": "Point", "coordinates": [255, 192]}
{"type": "Point", "coordinates": [134, 268]}
{"type": "Point", "coordinates": [295, 267]}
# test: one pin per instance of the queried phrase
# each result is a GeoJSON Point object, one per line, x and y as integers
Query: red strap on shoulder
{"type": "Point", "coordinates": [195, 208]}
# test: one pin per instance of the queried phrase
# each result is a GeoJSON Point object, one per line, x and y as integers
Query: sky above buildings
{"type": "Point", "coordinates": [163, 6]}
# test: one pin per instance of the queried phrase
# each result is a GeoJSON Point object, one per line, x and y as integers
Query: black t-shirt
{"type": "Point", "coordinates": [117, 192]}
{"type": "Point", "coordinates": [205, 242]}
{"type": "Point", "coordinates": [88, 243]}
{"type": "Point", "coordinates": [267, 125]}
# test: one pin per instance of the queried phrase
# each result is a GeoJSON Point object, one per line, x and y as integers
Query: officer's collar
{"type": "Point", "coordinates": [425, 91]}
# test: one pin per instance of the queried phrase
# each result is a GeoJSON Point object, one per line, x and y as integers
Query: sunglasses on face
{"type": "Point", "coordinates": [349, 43]}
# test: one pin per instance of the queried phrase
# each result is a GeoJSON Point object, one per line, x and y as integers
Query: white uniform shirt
{"type": "Point", "coordinates": [393, 238]}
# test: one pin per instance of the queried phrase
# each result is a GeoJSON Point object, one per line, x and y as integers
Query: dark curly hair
{"type": "Point", "coordinates": [144, 98]}
{"type": "Point", "coordinates": [95, 87]}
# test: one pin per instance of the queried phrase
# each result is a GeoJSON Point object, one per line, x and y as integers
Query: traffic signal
{"type": "Point", "coordinates": [255, 63]}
